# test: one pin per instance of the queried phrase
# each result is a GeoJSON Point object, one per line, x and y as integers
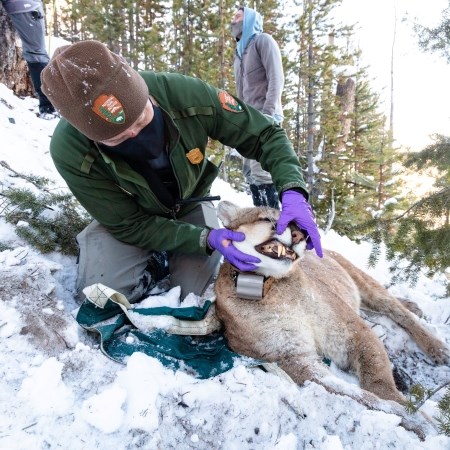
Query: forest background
{"type": "Point", "coordinates": [355, 171]}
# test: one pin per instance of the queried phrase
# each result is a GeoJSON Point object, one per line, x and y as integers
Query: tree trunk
{"type": "Point", "coordinates": [391, 112]}
{"type": "Point", "coordinates": [310, 179]}
{"type": "Point", "coordinates": [345, 96]}
{"type": "Point", "coordinates": [14, 69]}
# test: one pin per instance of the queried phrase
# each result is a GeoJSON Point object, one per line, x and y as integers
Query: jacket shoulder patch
{"type": "Point", "coordinates": [229, 103]}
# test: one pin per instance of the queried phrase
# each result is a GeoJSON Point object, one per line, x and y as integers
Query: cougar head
{"type": "Point", "coordinates": [277, 252]}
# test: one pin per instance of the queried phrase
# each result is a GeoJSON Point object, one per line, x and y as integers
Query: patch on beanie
{"type": "Point", "coordinates": [229, 103]}
{"type": "Point", "coordinates": [109, 108]}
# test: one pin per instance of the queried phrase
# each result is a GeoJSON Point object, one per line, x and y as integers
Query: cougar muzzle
{"type": "Point", "coordinates": [275, 249]}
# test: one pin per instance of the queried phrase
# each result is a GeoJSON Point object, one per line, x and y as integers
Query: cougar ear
{"type": "Point", "coordinates": [227, 211]}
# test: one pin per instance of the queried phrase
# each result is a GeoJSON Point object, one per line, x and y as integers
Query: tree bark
{"type": "Point", "coordinates": [14, 69]}
{"type": "Point", "coordinates": [310, 179]}
{"type": "Point", "coordinates": [391, 112]}
{"type": "Point", "coordinates": [345, 96]}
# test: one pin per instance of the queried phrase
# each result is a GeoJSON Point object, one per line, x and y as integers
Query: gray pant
{"type": "Point", "coordinates": [31, 30]}
{"type": "Point", "coordinates": [255, 174]}
{"type": "Point", "coordinates": [122, 267]}
{"type": "Point", "coordinates": [252, 170]}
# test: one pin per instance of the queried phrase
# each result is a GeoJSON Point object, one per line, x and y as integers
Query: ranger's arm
{"type": "Point", "coordinates": [255, 136]}
{"type": "Point", "coordinates": [118, 210]}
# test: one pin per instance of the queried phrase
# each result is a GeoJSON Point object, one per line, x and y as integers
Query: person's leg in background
{"type": "Point", "coordinates": [265, 195]}
{"type": "Point", "coordinates": [261, 186]}
{"type": "Point", "coordinates": [31, 28]}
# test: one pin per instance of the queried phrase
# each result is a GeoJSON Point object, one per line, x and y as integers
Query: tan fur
{"type": "Point", "coordinates": [311, 312]}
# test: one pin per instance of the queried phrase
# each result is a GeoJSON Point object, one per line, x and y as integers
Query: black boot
{"type": "Point", "coordinates": [265, 195]}
{"type": "Point", "coordinates": [46, 109]}
{"type": "Point", "coordinates": [157, 270]}
{"type": "Point", "coordinates": [158, 266]}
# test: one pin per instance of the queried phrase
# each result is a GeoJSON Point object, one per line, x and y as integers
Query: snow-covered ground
{"type": "Point", "coordinates": [58, 390]}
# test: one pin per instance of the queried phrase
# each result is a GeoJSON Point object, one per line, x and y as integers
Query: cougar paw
{"type": "Point", "coordinates": [411, 306]}
{"type": "Point", "coordinates": [439, 353]}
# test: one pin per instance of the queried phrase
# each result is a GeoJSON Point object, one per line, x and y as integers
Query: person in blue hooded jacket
{"type": "Point", "coordinates": [258, 72]}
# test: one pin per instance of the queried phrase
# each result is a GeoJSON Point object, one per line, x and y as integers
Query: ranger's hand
{"type": "Point", "coordinates": [295, 208]}
{"type": "Point", "coordinates": [221, 240]}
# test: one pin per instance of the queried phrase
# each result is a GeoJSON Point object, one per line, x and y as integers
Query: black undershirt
{"type": "Point", "coordinates": [147, 154]}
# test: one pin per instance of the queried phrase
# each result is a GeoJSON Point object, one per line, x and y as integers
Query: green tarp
{"type": "Point", "coordinates": [115, 321]}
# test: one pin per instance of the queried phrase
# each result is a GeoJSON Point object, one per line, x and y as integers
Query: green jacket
{"type": "Point", "coordinates": [120, 198]}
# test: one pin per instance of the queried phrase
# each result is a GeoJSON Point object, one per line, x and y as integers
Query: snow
{"type": "Point", "coordinates": [59, 391]}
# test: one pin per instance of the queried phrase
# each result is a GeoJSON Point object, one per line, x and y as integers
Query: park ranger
{"type": "Point", "coordinates": [132, 148]}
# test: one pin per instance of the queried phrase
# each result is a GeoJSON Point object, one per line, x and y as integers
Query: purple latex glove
{"type": "Point", "coordinates": [295, 208]}
{"type": "Point", "coordinates": [220, 240]}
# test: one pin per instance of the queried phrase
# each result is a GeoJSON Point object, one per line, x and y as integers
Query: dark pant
{"type": "Point", "coordinates": [31, 28]}
{"type": "Point", "coordinates": [265, 195]}
{"type": "Point", "coordinates": [35, 73]}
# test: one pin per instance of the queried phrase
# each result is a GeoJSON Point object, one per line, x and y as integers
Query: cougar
{"type": "Point", "coordinates": [310, 311]}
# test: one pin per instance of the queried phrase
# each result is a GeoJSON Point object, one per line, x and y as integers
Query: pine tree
{"type": "Point", "coordinates": [310, 79]}
{"type": "Point", "coordinates": [422, 232]}
{"type": "Point", "coordinates": [149, 51]}
{"type": "Point", "coordinates": [372, 187]}
{"type": "Point", "coordinates": [437, 39]}
{"type": "Point", "coordinates": [191, 48]}
{"type": "Point", "coordinates": [347, 165]}
{"type": "Point", "coordinates": [336, 128]}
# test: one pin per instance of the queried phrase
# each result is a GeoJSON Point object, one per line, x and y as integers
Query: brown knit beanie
{"type": "Point", "coordinates": [94, 89]}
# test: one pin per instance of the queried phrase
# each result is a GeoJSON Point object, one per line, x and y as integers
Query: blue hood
{"type": "Point", "coordinates": [252, 25]}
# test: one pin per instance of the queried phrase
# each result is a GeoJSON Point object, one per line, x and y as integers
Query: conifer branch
{"type": "Point", "coordinates": [420, 202]}
{"type": "Point", "coordinates": [38, 182]}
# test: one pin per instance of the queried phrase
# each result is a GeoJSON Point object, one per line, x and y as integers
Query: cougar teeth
{"type": "Point", "coordinates": [276, 250]}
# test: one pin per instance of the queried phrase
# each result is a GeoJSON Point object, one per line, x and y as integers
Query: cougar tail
{"type": "Point", "coordinates": [376, 298]}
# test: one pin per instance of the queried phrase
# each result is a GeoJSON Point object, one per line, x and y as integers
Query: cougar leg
{"type": "Point", "coordinates": [376, 298]}
{"type": "Point", "coordinates": [371, 362]}
{"type": "Point", "coordinates": [306, 367]}
{"type": "Point", "coordinates": [364, 354]}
